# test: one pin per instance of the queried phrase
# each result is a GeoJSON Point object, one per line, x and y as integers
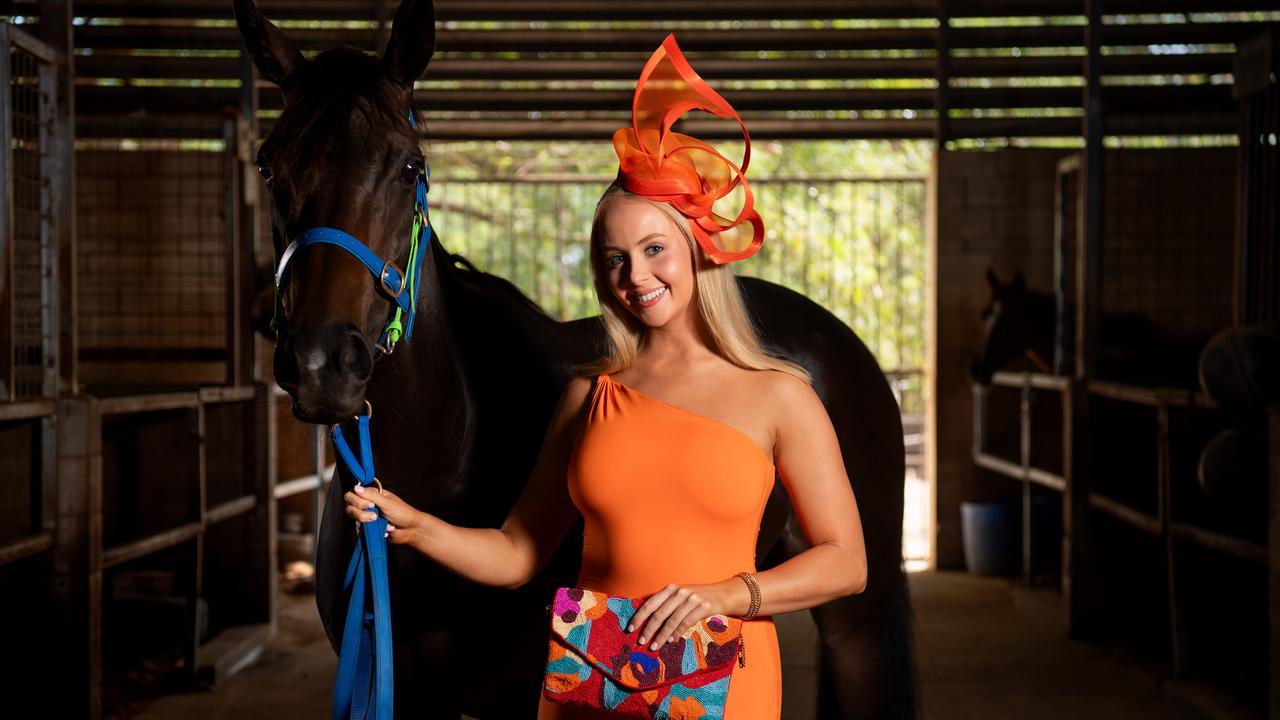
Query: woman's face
{"type": "Point", "coordinates": [647, 261]}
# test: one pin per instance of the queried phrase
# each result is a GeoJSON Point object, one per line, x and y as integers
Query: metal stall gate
{"type": "Point", "coordinates": [28, 348]}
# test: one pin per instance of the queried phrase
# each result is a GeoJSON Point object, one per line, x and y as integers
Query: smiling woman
{"type": "Point", "coordinates": [668, 446]}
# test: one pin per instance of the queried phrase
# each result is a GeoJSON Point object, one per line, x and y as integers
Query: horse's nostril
{"type": "Point", "coordinates": [356, 358]}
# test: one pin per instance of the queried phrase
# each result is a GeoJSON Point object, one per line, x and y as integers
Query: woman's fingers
{"type": "Point", "coordinates": [362, 515]}
{"type": "Point", "coordinates": [668, 614]}
{"type": "Point", "coordinates": [693, 609]}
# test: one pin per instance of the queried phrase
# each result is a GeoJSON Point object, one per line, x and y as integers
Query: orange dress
{"type": "Point", "coordinates": [671, 496]}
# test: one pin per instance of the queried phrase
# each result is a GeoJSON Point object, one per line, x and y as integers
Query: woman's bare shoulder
{"type": "Point", "coordinates": [785, 395]}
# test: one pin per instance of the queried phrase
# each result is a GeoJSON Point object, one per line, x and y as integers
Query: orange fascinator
{"type": "Point", "coordinates": [692, 176]}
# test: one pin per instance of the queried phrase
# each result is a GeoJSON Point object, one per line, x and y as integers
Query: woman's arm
{"type": "Point", "coordinates": [511, 555]}
{"type": "Point", "coordinates": [807, 455]}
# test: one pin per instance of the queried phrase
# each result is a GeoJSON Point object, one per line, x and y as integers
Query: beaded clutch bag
{"type": "Point", "coordinates": [594, 662]}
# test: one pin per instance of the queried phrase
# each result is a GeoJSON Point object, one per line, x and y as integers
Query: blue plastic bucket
{"type": "Point", "coordinates": [992, 534]}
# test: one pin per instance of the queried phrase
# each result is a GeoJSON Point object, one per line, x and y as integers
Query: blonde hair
{"type": "Point", "coordinates": [718, 299]}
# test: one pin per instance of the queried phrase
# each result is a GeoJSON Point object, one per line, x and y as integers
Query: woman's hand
{"type": "Point", "coordinates": [402, 519]}
{"type": "Point", "coordinates": [670, 612]}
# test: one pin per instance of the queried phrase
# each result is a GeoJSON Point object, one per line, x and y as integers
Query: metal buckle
{"type": "Point", "coordinates": [382, 279]}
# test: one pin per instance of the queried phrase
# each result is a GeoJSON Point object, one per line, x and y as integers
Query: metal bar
{"type": "Point", "coordinates": [27, 409]}
{"type": "Point", "coordinates": [1238, 547]}
{"type": "Point", "coordinates": [1178, 646]}
{"type": "Point", "coordinates": [1153, 396]}
{"type": "Point", "coordinates": [113, 556]}
{"type": "Point", "coordinates": [297, 485]}
{"type": "Point", "coordinates": [1126, 514]}
{"type": "Point", "coordinates": [1017, 472]}
{"type": "Point", "coordinates": [1061, 257]}
{"type": "Point", "coordinates": [147, 403]}
{"type": "Point", "coordinates": [230, 509]}
{"type": "Point", "coordinates": [8, 389]}
{"type": "Point", "coordinates": [226, 394]}
{"type": "Point", "coordinates": [1040, 381]}
{"type": "Point", "coordinates": [25, 547]}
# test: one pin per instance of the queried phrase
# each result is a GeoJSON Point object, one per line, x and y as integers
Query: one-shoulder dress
{"type": "Point", "coordinates": [671, 496]}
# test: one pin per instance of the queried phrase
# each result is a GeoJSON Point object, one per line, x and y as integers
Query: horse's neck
{"type": "Point", "coordinates": [421, 395]}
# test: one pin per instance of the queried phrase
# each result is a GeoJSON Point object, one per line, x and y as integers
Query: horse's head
{"type": "Point", "coordinates": [343, 154]}
{"type": "Point", "coordinates": [1006, 333]}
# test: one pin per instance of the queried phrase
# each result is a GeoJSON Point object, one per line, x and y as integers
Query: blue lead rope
{"type": "Point", "coordinates": [363, 690]}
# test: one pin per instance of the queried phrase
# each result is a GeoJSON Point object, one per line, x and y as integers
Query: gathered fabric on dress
{"type": "Point", "coordinates": [671, 496]}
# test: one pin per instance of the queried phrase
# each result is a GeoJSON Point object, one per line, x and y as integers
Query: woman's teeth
{"type": "Point", "coordinates": [647, 298]}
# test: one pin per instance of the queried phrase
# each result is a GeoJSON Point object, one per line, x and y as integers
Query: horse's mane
{"type": "Point", "coordinates": [476, 277]}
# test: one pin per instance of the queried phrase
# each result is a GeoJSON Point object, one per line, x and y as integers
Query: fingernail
{"type": "Point", "coordinates": [631, 628]}
{"type": "Point", "coordinates": [653, 646]}
{"type": "Point", "coordinates": [358, 489]}
{"type": "Point", "coordinates": [641, 639]}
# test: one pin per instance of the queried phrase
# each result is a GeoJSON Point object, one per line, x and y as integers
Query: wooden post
{"type": "Point", "coordinates": [77, 570]}
{"type": "Point", "coordinates": [942, 102]}
{"type": "Point", "coordinates": [1076, 575]}
{"type": "Point", "coordinates": [1273, 560]}
{"type": "Point", "coordinates": [1024, 448]}
{"type": "Point", "coordinates": [55, 30]}
{"type": "Point", "coordinates": [1164, 514]}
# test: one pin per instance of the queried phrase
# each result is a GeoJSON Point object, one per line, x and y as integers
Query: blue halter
{"type": "Point", "coordinates": [363, 689]}
{"type": "Point", "coordinates": [402, 289]}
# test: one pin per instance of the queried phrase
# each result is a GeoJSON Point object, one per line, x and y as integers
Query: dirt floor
{"type": "Point", "coordinates": [987, 649]}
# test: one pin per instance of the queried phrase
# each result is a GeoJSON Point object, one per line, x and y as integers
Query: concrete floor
{"type": "Point", "coordinates": [986, 650]}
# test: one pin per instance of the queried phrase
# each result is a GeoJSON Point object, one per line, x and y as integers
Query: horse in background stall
{"type": "Point", "coordinates": [1019, 328]}
{"type": "Point", "coordinates": [461, 412]}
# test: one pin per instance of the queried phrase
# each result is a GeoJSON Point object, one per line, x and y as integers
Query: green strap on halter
{"type": "Point", "coordinates": [395, 328]}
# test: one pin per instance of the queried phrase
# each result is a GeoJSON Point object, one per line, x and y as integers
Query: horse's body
{"type": "Point", "coordinates": [460, 414]}
{"type": "Point", "coordinates": [1019, 325]}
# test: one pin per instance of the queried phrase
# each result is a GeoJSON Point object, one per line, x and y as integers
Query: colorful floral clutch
{"type": "Point", "coordinates": [594, 662]}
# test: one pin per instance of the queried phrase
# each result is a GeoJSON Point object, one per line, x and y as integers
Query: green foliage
{"type": "Point", "coordinates": [845, 224]}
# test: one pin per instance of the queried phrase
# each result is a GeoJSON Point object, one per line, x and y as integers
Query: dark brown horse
{"type": "Point", "coordinates": [460, 412]}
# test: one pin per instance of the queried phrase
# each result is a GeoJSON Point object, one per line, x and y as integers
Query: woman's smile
{"type": "Point", "coordinates": [650, 298]}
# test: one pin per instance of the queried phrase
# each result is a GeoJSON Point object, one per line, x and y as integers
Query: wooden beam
{"type": "Point", "coordinates": [713, 69]}
{"type": "Point", "coordinates": [1149, 99]}
{"type": "Point", "coordinates": [26, 547]}
{"type": "Point", "coordinates": [516, 10]}
{"type": "Point", "coordinates": [118, 554]}
{"type": "Point", "coordinates": [508, 10]}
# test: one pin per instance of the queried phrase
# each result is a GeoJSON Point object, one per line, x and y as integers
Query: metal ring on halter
{"type": "Point", "coordinates": [368, 409]}
{"type": "Point", "coordinates": [382, 279]}
{"type": "Point", "coordinates": [381, 490]}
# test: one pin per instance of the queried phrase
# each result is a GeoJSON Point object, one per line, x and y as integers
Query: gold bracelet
{"type": "Point", "coordinates": [754, 588]}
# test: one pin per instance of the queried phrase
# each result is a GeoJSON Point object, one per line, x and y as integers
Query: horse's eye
{"type": "Point", "coordinates": [264, 168]}
{"type": "Point", "coordinates": [411, 170]}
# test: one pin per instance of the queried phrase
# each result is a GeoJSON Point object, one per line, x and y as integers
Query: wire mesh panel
{"type": "Point", "coordinates": [1169, 230]}
{"type": "Point", "coordinates": [28, 253]}
{"type": "Point", "coordinates": [153, 261]}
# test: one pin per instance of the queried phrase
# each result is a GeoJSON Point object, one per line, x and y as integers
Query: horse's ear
{"type": "Point", "coordinates": [273, 52]}
{"type": "Point", "coordinates": [413, 38]}
{"type": "Point", "coordinates": [993, 281]}
{"type": "Point", "coordinates": [1019, 282]}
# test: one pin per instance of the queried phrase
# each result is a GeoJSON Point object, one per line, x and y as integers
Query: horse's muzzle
{"type": "Point", "coordinates": [325, 371]}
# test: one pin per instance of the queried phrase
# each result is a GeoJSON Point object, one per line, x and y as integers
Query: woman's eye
{"type": "Point", "coordinates": [654, 247]}
{"type": "Point", "coordinates": [610, 260]}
